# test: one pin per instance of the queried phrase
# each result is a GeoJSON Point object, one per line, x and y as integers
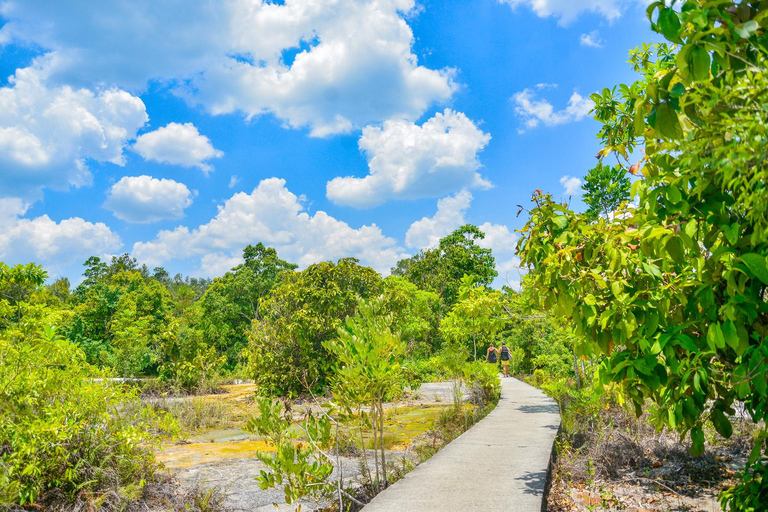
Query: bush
{"type": "Point", "coordinates": [194, 414]}
{"type": "Point", "coordinates": [64, 431]}
{"type": "Point", "coordinates": [423, 370]}
{"type": "Point", "coordinates": [483, 381]}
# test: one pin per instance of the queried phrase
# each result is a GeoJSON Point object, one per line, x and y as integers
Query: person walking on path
{"type": "Point", "coordinates": [505, 355]}
{"type": "Point", "coordinates": [490, 355]}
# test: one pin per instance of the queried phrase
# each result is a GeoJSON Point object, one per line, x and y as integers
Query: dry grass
{"type": "Point", "coordinates": [614, 461]}
{"type": "Point", "coordinates": [164, 493]}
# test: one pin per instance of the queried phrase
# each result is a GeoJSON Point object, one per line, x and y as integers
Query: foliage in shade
{"type": "Point", "coordinates": [673, 293]}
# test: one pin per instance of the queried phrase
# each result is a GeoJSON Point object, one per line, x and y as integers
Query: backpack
{"type": "Point", "coordinates": [505, 353]}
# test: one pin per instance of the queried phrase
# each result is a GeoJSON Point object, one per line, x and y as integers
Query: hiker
{"type": "Point", "coordinates": [490, 355]}
{"type": "Point", "coordinates": [505, 356]}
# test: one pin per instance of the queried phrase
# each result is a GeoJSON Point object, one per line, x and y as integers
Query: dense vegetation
{"type": "Point", "coordinates": [341, 327]}
{"type": "Point", "coordinates": [660, 305]}
{"type": "Point", "coordinates": [671, 294]}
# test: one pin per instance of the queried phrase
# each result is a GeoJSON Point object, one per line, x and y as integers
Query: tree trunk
{"type": "Point", "coordinates": [375, 447]}
{"type": "Point", "coordinates": [381, 443]}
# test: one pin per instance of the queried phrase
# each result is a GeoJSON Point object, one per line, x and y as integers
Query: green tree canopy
{"type": "Point", "coordinates": [605, 188]}
{"type": "Point", "coordinates": [305, 309]}
{"type": "Point", "coordinates": [440, 270]}
{"type": "Point", "coordinates": [231, 302]}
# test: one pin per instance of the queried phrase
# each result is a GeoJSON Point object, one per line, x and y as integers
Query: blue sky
{"type": "Point", "coordinates": [180, 132]}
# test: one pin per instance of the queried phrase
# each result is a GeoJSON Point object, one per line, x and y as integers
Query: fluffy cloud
{"type": "Point", "coordinates": [503, 243]}
{"type": "Point", "coordinates": [428, 231]}
{"type": "Point", "coordinates": [451, 210]}
{"type": "Point", "coordinates": [566, 11]}
{"type": "Point", "coordinates": [533, 111]}
{"type": "Point", "coordinates": [329, 65]}
{"type": "Point", "coordinates": [143, 199]}
{"type": "Point", "coordinates": [177, 144]}
{"type": "Point", "coordinates": [48, 134]}
{"type": "Point", "coordinates": [408, 161]}
{"type": "Point", "coordinates": [275, 216]}
{"type": "Point", "coordinates": [592, 40]}
{"type": "Point", "coordinates": [55, 245]}
{"type": "Point", "coordinates": [571, 184]}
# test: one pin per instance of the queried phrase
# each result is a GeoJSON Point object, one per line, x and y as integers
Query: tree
{"type": "Point", "coordinates": [673, 293]}
{"type": "Point", "coordinates": [285, 352]}
{"type": "Point", "coordinates": [478, 313]}
{"type": "Point", "coordinates": [121, 320]}
{"type": "Point", "coordinates": [369, 369]}
{"type": "Point", "coordinates": [440, 270]}
{"type": "Point", "coordinates": [63, 428]}
{"type": "Point", "coordinates": [415, 313]}
{"type": "Point", "coordinates": [231, 303]}
{"type": "Point", "coordinates": [605, 189]}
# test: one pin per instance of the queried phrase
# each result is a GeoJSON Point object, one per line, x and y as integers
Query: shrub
{"type": "Point", "coordinates": [483, 381]}
{"type": "Point", "coordinates": [64, 430]}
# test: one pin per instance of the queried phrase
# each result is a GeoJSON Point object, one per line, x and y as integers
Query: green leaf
{"type": "Point", "coordinates": [730, 334]}
{"type": "Point", "coordinates": [731, 233]}
{"type": "Point", "coordinates": [674, 248]}
{"type": "Point", "coordinates": [697, 441]}
{"type": "Point", "coordinates": [715, 337]}
{"type": "Point", "coordinates": [746, 30]}
{"type": "Point", "coordinates": [699, 63]}
{"type": "Point", "coordinates": [640, 117]}
{"type": "Point", "coordinates": [677, 90]}
{"type": "Point", "coordinates": [669, 24]}
{"type": "Point", "coordinates": [667, 122]}
{"type": "Point", "coordinates": [756, 264]}
{"type": "Point", "coordinates": [561, 221]}
{"type": "Point", "coordinates": [721, 423]}
{"type": "Point", "coordinates": [673, 194]}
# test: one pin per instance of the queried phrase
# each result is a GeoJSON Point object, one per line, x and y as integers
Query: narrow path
{"type": "Point", "coordinates": [500, 464]}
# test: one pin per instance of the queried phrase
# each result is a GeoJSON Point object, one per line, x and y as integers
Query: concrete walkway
{"type": "Point", "coordinates": [500, 464]}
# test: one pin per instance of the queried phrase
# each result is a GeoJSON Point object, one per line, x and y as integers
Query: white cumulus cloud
{"type": "Point", "coordinates": [503, 243]}
{"type": "Point", "coordinates": [55, 245]}
{"type": "Point", "coordinates": [533, 111]}
{"type": "Point", "coordinates": [571, 184]}
{"type": "Point", "coordinates": [408, 161]}
{"type": "Point", "coordinates": [48, 134]}
{"type": "Point", "coordinates": [271, 214]}
{"type": "Point", "coordinates": [144, 199]}
{"type": "Point", "coordinates": [177, 144]}
{"type": "Point", "coordinates": [331, 66]}
{"type": "Point", "coordinates": [450, 215]}
{"type": "Point", "coordinates": [592, 40]}
{"type": "Point", "coordinates": [566, 11]}
{"type": "Point", "coordinates": [428, 231]}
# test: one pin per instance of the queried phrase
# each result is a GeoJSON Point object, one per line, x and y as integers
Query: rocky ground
{"type": "Point", "coordinates": [624, 464]}
{"type": "Point", "coordinates": [224, 457]}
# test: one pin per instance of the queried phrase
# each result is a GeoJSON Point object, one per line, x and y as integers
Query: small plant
{"type": "Point", "coordinates": [302, 463]}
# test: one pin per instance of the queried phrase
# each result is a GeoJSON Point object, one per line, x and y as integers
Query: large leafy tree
{"type": "Point", "coordinates": [306, 308]}
{"type": "Point", "coordinates": [605, 188]}
{"type": "Point", "coordinates": [231, 302]}
{"type": "Point", "coordinates": [476, 316]}
{"type": "Point", "coordinates": [415, 313]}
{"type": "Point", "coordinates": [673, 293]}
{"type": "Point", "coordinates": [440, 270]}
{"type": "Point", "coordinates": [121, 320]}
